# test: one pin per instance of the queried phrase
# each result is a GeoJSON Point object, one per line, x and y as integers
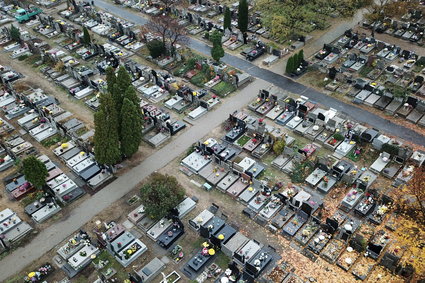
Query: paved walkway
{"type": "Point", "coordinates": [83, 213]}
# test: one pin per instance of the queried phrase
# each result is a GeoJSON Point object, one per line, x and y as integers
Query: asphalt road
{"type": "Point", "coordinates": [285, 83]}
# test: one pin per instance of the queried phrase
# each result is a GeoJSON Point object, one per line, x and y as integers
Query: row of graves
{"type": "Point", "coordinates": [410, 27]}
{"type": "Point", "coordinates": [199, 17]}
{"type": "Point", "coordinates": [118, 31]}
{"type": "Point", "coordinates": [39, 118]}
{"type": "Point", "coordinates": [12, 229]}
{"type": "Point", "coordinates": [123, 242]}
{"type": "Point", "coordinates": [391, 85]}
{"type": "Point", "coordinates": [42, 118]}
{"type": "Point", "coordinates": [250, 258]}
{"type": "Point", "coordinates": [159, 125]}
{"type": "Point", "coordinates": [223, 166]}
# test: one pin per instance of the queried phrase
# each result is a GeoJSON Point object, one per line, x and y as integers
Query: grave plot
{"type": "Point", "coordinates": [195, 161]}
{"type": "Point", "coordinates": [381, 210]}
{"type": "Point", "coordinates": [246, 252]}
{"type": "Point", "coordinates": [227, 182]}
{"type": "Point", "coordinates": [351, 199]}
{"type": "Point", "coordinates": [158, 228]}
{"type": "Point", "coordinates": [247, 195]}
{"type": "Point", "coordinates": [171, 235]}
{"type": "Point", "coordinates": [238, 187]}
{"type": "Point", "coordinates": [304, 235]}
{"type": "Point", "coordinates": [291, 227]}
{"type": "Point", "coordinates": [367, 204]}
{"type": "Point", "coordinates": [363, 267]}
{"type": "Point", "coordinates": [270, 209]}
{"type": "Point", "coordinates": [348, 258]}
{"type": "Point", "coordinates": [234, 244]}
{"type": "Point", "coordinates": [213, 174]}
{"type": "Point", "coordinates": [281, 218]}
{"type": "Point", "coordinates": [333, 250]}
{"type": "Point", "coordinates": [257, 203]}
{"type": "Point", "coordinates": [377, 244]}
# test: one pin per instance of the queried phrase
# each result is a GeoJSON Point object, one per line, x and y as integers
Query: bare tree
{"type": "Point", "coordinates": [159, 25]}
{"type": "Point", "coordinates": [168, 29]}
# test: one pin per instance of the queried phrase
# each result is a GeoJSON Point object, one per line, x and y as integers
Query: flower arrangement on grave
{"type": "Point", "coordinates": [83, 253]}
{"type": "Point", "coordinates": [325, 180]}
{"type": "Point", "coordinates": [382, 209]}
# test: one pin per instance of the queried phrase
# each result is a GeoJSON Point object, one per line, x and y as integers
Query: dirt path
{"type": "Point", "coordinates": [36, 79]}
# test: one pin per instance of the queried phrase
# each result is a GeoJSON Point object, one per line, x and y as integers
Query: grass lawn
{"type": "Point", "coordinates": [365, 70]}
{"type": "Point", "coordinates": [243, 140]}
{"type": "Point", "coordinates": [223, 88]}
{"type": "Point", "coordinates": [54, 140]}
{"type": "Point", "coordinates": [199, 79]}
{"type": "Point", "coordinates": [301, 171]}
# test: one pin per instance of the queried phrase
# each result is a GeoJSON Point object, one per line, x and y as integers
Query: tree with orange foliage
{"type": "Point", "coordinates": [411, 197]}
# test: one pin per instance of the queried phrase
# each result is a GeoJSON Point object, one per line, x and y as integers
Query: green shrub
{"type": "Point", "coordinates": [156, 48]}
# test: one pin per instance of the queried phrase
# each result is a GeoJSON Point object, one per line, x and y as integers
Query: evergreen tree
{"type": "Point", "coordinates": [106, 138]}
{"type": "Point", "coordinates": [86, 36]}
{"type": "Point", "coordinates": [123, 80]}
{"type": "Point", "coordinates": [243, 16]}
{"type": "Point", "coordinates": [111, 78]}
{"type": "Point", "coordinates": [131, 128]}
{"type": "Point", "coordinates": [227, 24]}
{"type": "Point", "coordinates": [217, 50]}
{"type": "Point", "coordinates": [15, 34]}
{"type": "Point", "coordinates": [35, 171]}
{"type": "Point", "coordinates": [131, 94]}
{"type": "Point", "coordinates": [117, 97]}
{"type": "Point", "coordinates": [215, 37]}
{"type": "Point", "coordinates": [290, 65]}
{"type": "Point", "coordinates": [301, 56]}
{"type": "Point", "coordinates": [296, 61]}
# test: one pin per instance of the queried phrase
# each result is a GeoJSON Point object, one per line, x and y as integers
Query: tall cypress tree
{"type": "Point", "coordinates": [301, 56]}
{"type": "Point", "coordinates": [227, 23]}
{"type": "Point", "coordinates": [243, 16]}
{"type": "Point", "coordinates": [290, 65]}
{"type": "Point", "coordinates": [131, 94]}
{"type": "Point", "coordinates": [131, 128]}
{"type": "Point", "coordinates": [217, 50]}
{"type": "Point", "coordinates": [86, 36]}
{"type": "Point", "coordinates": [123, 80]}
{"type": "Point", "coordinates": [296, 60]}
{"type": "Point", "coordinates": [106, 138]}
{"type": "Point", "coordinates": [111, 78]}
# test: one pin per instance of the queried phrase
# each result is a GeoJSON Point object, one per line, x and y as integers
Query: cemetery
{"type": "Point", "coordinates": [294, 211]}
{"type": "Point", "coordinates": [325, 188]}
{"type": "Point", "coordinates": [373, 72]}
